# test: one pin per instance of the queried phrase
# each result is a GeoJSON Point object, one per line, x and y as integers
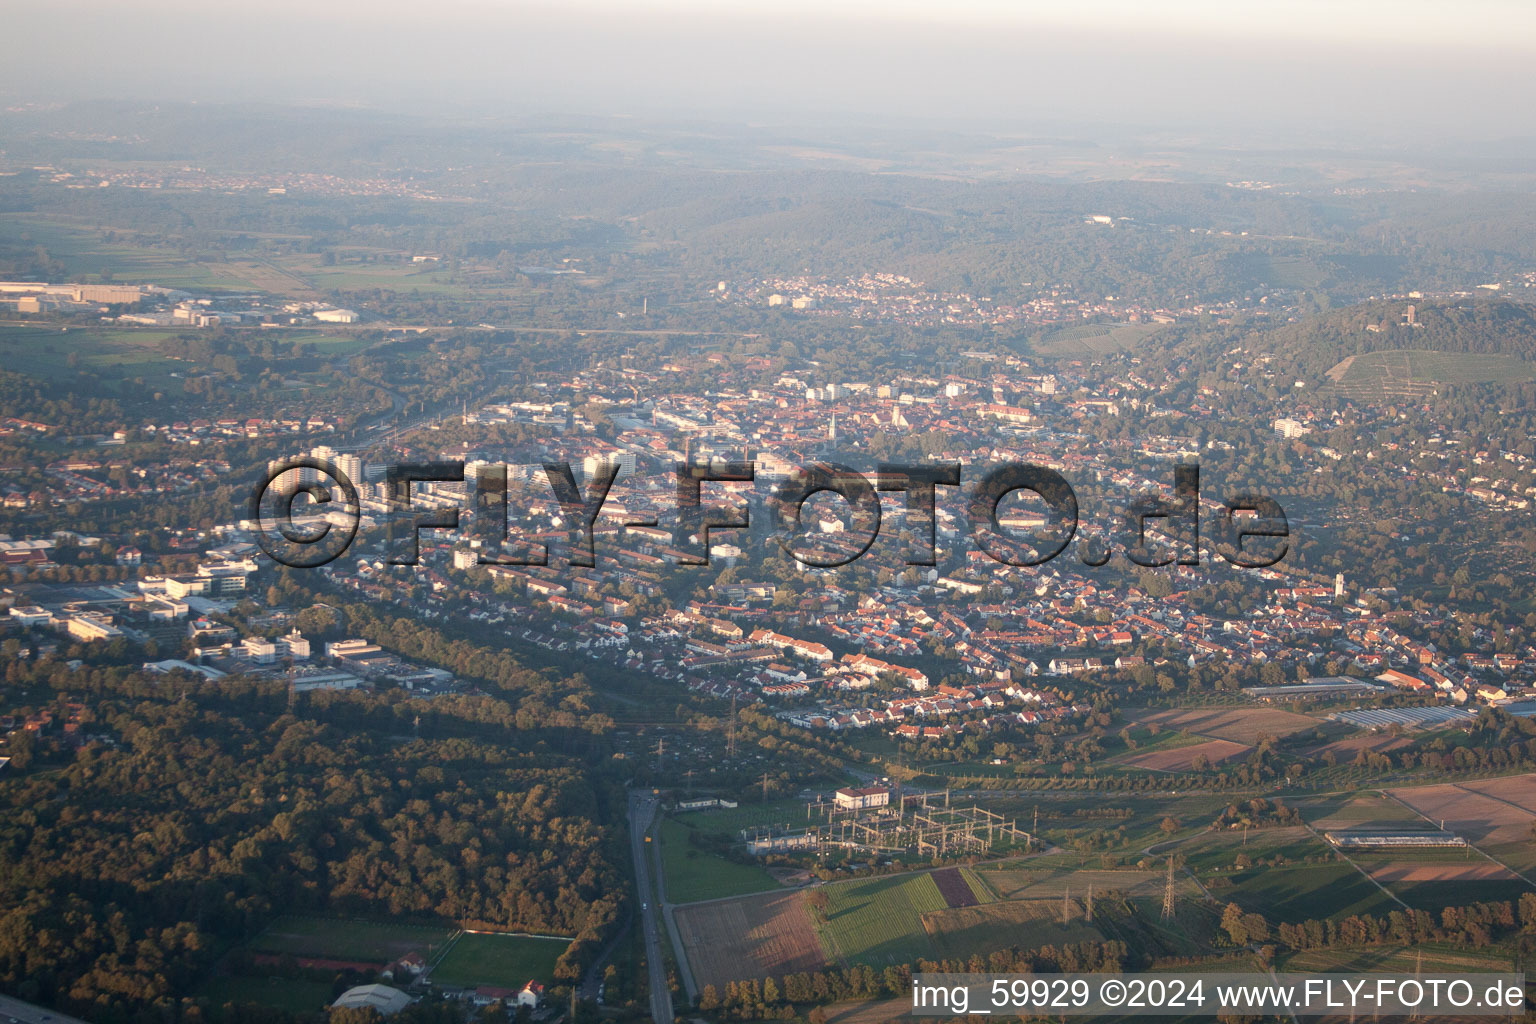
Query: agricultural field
{"type": "Point", "coordinates": [1519, 790]}
{"type": "Point", "coordinates": [1347, 748]}
{"type": "Point", "coordinates": [1087, 340]}
{"type": "Point", "coordinates": [1217, 851]}
{"type": "Point", "coordinates": [1237, 725]}
{"type": "Point", "coordinates": [1220, 735]}
{"type": "Point", "coordinates": [693, 874]}
{"type": "Point", "coordinates": [943, 773]}
{"type": "Point", "coordinates": [1399, 960]}
{"type": "Point", "coordinates": [426, 278]}
{"type": "Point", "coordinates": [958, 887]}
{"type": "Point", "coordinates": [960, 932]}
{"type": "Point", "coordinates": [1304, 891]}
{"type": "Point", "coordinates": [328, 344]}
{"type": "Point", "coordinates": [45, 352]}
{"type": "Point", "coordinates": [1435, 877]}
{"type": "Point", "coordinates": [1182, 758]}
{"type": "Point", "coordinates": [877, 1012]}
{"type": "Point", "coordinates": [329, 938]}
{"type": "Point", "coordinates": [1491, 811]}
{"type": "Point", "coordinates": [1417, 371]}
{"type": "Point", "coordinates": [508, 961]}
{"type": "Point", "coordinates": [1190, 933]}
{"type": "Point", "coordinates": [1066, 818]}
{"type": "Point", "coordinates": [1428, 877]}
{"type": "Point", "coordinates": [879, 921]}
{"type": "Point", "coordinates": [1370, 807]}
{"type": "Point", "coordinates": [1032, 881]}
{"type": "Point", "coordinates": [125, 353]}
{"type": "Point", "coordinates": [125, 256]}
{"type": "Point", "coordinates": [1432, 886]}
{"type": "Point", "coordinates": [87, 254]}
{"type": "Point", "coordinates": [732, 819]}
{"type": "Point", "coordinates": [1516, 791]}
{"type": "Point", "coordinates": [750, 938]}
{"type": "Point", "coordinates": [1143, 740]}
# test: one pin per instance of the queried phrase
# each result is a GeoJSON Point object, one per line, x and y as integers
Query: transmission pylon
{"type": "Point", "coordinates": [730, 744]}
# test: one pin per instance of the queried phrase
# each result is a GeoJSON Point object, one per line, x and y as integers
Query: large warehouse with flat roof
{"type": "Point", "coordinates": [1390, 839]}
{"type": "Point", "coordinates": [1319, 688]}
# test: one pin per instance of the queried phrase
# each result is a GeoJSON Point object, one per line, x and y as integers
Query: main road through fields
{"type": "Point", "coordinates": [642, 809]}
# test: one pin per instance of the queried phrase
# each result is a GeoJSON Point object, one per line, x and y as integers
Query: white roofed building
{"type": "Point", "coordinates": [382, 998]}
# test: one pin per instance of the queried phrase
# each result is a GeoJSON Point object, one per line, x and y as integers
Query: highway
{"type": "Point", "coordinates": [642, 811]}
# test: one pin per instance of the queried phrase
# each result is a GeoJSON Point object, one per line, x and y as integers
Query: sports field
{"type": "Point", "coordinates": [297, 995]}
{"type": "Point", "coordinates": [507, 961]}
{"type": "Point", "coordinates": [331, 938]}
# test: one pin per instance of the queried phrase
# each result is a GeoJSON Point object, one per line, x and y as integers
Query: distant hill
{"type": "Point", "coordinates": [1487, 326]}
{"type": "Point", "coordinates": [1380, 347]}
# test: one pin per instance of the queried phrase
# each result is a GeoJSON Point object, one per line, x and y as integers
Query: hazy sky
{"type": "Point", "coordinates": [1416, 67]}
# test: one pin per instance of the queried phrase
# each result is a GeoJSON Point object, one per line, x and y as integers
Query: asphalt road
{"type": "Point", "coordinates": [594, 979]}
{"type": "Point", "coordinates": [679, 955]}
{"type": "Point", "coordinates": [642, 810]}
{"type": "Point", "coordinates": [15, 1009]}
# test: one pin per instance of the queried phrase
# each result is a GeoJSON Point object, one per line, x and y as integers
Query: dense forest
{"type": "Point", "coordinates": [193, 814]}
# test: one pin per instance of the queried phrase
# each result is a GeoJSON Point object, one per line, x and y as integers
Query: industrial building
{"type": "Point", "coordinates": [1386, 839]}
{"type": "Point", "coordinates": [849, 799]}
